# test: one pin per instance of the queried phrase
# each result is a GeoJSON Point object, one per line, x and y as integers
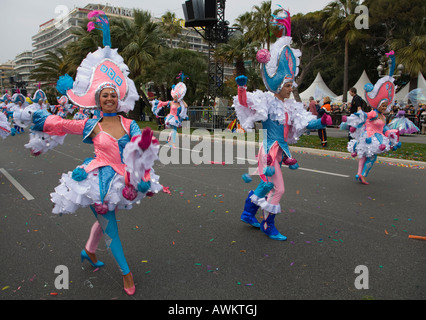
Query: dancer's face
{"type": "Point", "coordinates": [108, 100]}
{"type": "Point", "coordinates": [286, 91]}
{"type": "Point", "coordinates": [383, 107]}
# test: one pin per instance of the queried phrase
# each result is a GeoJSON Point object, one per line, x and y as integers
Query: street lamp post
{"type": "Point", "coordinates": [386, 63]}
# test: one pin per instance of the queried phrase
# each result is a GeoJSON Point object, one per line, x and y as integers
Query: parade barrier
{"type": "Point", "coordinates": [210, 118]}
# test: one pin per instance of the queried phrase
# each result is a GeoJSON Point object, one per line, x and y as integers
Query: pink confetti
{"type": "Point", "coordinates": [217, 162]}
{"type": "Point", "coordinates": [166, 190]}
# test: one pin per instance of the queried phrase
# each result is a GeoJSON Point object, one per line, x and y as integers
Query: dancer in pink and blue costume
{"type": "Point", "coordinates": [39, 98]}
{"type": "Point", "coordinates": [121, 173]}
{"type": "Point", "coordinates": [18, 105]}
{"type": "Point", "coordinates": [5, 129]}
{"type": "Point", "coordinates": [64, 107]}
{"type": "Point", "coordinates": [80, 115]}
{"type": "Point", "coordinates": [5, 101]}
{"type": "Point", "coordinates": [284, 120]}
{"type": "Point", "coordinates": [370, 134]}
{"type": "Point", "coordinates": [178, 108]}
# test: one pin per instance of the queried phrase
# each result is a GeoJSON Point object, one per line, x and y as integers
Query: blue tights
{"type": "Point", "coordinates": [108, 223]}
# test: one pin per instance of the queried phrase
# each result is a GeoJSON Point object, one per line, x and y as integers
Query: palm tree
{"type": "Point", "coordinates": [86, 42]}
{"type": "Point", "coordinates": [139, 42]}
{"type": "Point", "coordinates": [411, 53]}
{"type": "Point", "coordinates": [50, 68]}
{"type": "Point", "coordinates": [170, 26]}
{"type": "Point", "coordinates": [244, 24]}
{"type": "Point", "coordinates": [237, 50]}
{"type": "Point", "coordinates": [263, 29]}
{"type": "Point", "coordinates": [341, 24]}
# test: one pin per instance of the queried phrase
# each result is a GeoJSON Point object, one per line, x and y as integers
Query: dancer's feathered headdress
{"type": "Point", "coordinates": [62, 100]}
{"type": "Point", "coordinates": [39, 95]}
{"type": "Point", "coordinates": [179, 90]}
{"type": "Point", "coordinates": [281, 64]}
{"type": "Point", "coordinates": [19, 97]}
{"type": "Point", "coordinates": [104, 68]}
{"type": "Point", "coordinates": [384, 89]}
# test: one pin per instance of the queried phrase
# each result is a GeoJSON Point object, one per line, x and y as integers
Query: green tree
{"type": "Point", "coordinates": [340, 24]}
{"type": "Point", "coordinates": [244, 24]}
{"type": "Point", "coordinates": [400, 26]}
{"type": "Point", "coordinates": [309, 36]}
{"type": "Point", "coordinates": [170, 62]}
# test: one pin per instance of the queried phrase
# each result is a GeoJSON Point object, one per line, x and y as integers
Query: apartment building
{"type": "Point", "coordinates": [6, 74]}
{"type": "Point", "coordinates": [57, 32]}
{"type": "Point", "coordinates": [24, 64]}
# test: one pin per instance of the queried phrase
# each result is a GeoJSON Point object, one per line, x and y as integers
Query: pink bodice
{"type": "Point", "coordinates": [374, 126]}
{"type": "Point", "coordinates": [107, 153]}
{"type": "Point", "coordinates": [106, 146]}
{"type": "Point", "coordinates": [174, 109]}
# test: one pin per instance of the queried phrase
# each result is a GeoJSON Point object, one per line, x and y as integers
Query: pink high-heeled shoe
{"type": "Point", "coordinates": [130, 291]}
{"type": "Point", "coordinates": [363, 181]}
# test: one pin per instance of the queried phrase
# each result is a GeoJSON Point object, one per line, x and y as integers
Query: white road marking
{"type": "Point", "coordinates": [325, 172]}
{"type": "Point", "coordinates": [67, 155]}
{"type": "Point", "coordinates": [17, 185]}
{"type": "Point", "coordinates": [252, 161]}
{"type": "Point", "coordinates": [305, 169]}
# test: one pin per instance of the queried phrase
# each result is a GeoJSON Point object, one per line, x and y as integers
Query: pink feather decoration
{"type": "Point", "coordinates": [95, 13]}
{"type": "Point", "coordinates": [263, 56]}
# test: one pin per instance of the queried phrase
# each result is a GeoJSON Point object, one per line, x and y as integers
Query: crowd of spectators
{"type": "Point", "coordinates": [416, 114]}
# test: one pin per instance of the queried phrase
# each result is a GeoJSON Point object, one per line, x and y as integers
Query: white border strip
{"type": "Point", "coordinates": [304, 169]}
{"type": "Point", "coordinates": [20, 188]}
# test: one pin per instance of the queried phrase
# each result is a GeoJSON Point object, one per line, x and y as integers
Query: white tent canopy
{"type": "Point", "coordinates": [359, 85]}
{"type": "Point", "coordinates": [318, 89]}
{"type": "Point", "coordinates": [421, 82]}
{"type": "Point", "coordinates": [402, 95]}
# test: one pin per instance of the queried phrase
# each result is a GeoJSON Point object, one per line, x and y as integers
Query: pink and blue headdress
{"type": "Point", "coordinates": [19, 97]}
{"type": "Point", "coordinates": [281, 64]}
{"type": "Point", "coordinates": [384, 89]}
{"type": "Point", "coordinates": [179, 90]}
{"type": "Point", "coordinates": [5, 97]}
{"type": "Point", "coordinates": [62, 100]}
{"type": "Point", "coordinates": [104, 68]}
{"type": "Point", "coordinates": [39, 95]}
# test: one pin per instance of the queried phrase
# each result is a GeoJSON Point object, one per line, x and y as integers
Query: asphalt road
{"type": "Point", "coordinates": [191, 245]}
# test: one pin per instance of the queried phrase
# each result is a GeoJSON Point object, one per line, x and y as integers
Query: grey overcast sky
{"type": "Point", "coordinates": [21, 19]}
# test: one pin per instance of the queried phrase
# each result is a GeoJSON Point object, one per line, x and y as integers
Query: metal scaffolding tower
{"type": "Point", "coordinates": [209, 16]}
